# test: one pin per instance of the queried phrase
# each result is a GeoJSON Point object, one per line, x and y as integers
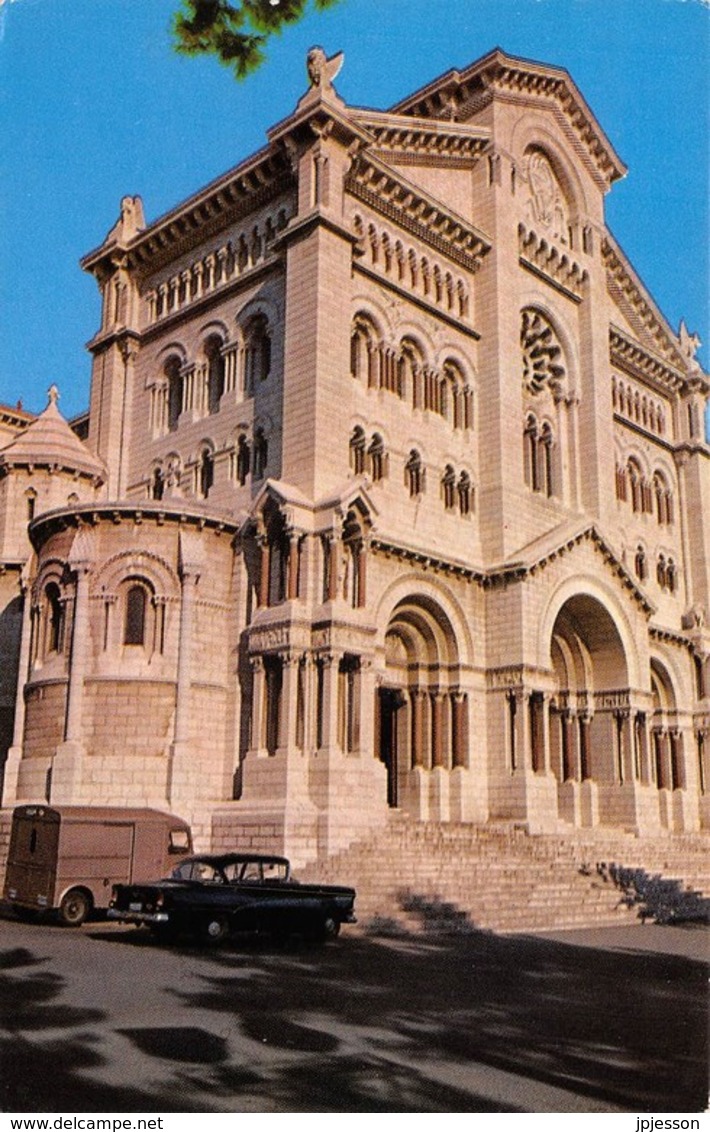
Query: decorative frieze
{"type": "Point", "coordinates": [633, 358]}
{"type": "Point", "coordinates": [412, 141]}
{"type": "Point", "coordinates": [414, 210]}
{"type": "Point", "coordinates": [245, 251]}
{"type": "Point", "coordinates": [557, 268]}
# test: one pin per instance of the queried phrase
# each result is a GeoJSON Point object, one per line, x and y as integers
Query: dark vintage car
{"type": "Point", "coordinates": [213, 897]}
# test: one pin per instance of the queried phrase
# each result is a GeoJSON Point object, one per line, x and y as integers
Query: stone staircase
{"type": "Point", "coordinates": [418, 876]}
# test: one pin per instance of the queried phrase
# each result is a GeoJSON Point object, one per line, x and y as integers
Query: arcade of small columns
{"type": "Point", "coordinates": [594, 738]}
{"type": "Point", "coordinates": [334, 700]}
{"type": "Point", "coordinates": [330, 698]}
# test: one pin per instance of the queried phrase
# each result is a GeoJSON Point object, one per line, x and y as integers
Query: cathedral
{"type": "Point", "coordinates": [393, 495]}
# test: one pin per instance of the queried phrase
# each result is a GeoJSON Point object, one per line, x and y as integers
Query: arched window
{"type": "Point", "coordinates": [31, 497]}
{"type": "Point", "coordinates": [538, 456]}
{"type": "Point", "coordinates": [354, 562]}
{"type": "Point", "coordinates": [215, 373]}
{"type": "Point", "coordinates": [357, 450]}
{"type": "Point", "coordinates": [530, 440]}
{"type": "Point", "coordinates": [261, 454]}
{"type": "Point", "coordinates": [640, 563]}
{"type": "Point", "coordinates": [545, 460]}
{"type": "Point", "coordinates": [243, 460]}
{"type": "Point", "coordinates": [448, 487]}
{"type": "Point", "coordinates": [173, 374]}
{"type": "Point", "coordinates": [671, 575]}
{"type": "Point", "coordinates": [257, 352]}
{"type": "Point", "coordinates": [135, 616]}
{"type": "Point", "coordinates": [363, 350]}
{"type": "Point", "coordinates": [465, 493]}
{"type": "Point", "coordinates": [636, 485]}
{"type": "Point", "coordinates": [377, 458]}
{"type": "Point", "coordinates": [663, 498]}
{"type": "Point", "coordinates": [661, 571]}
{"type": "Point", "coordinates": [55, 618]}
{"type": "Point", "coordinates": [156, 487]}
{"type": "Point", "coordinates": [279, 547]}
{"type": "Point", "coordinates": [205, 473]}
{"type": "Point", "coordinates": [414, 472]}
{"type": "Point", "coordinates": [455, 396]}
{"type": "Point", "coordinates": [409, 372]}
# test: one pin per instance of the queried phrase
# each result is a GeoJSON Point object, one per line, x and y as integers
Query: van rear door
{"type": "Point", "coordinates": [32, 858]}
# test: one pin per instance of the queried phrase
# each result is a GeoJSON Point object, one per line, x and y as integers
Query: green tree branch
{"type": "Point", "coordinates": [236, 33]}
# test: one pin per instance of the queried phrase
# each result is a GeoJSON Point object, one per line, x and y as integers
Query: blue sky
{"type": "Point", "coordinates": [95, 104]}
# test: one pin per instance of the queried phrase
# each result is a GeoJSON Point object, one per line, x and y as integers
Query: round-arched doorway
{"type": "Point", "coordinates": [421, 710]}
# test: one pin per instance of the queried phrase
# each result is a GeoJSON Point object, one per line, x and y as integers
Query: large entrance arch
{"type": "Point", "coordinates": [421, 711]}
{"type": "Point", "coordinates": [598, 735]}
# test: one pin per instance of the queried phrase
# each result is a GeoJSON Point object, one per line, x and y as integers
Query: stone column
{"type": "Point", "coordinates": [664, 761]}
{"type": "Point", "coordinates": [584, 735]}
{"type": "Point", "coordinates": [367, 708]}
{"type": "Point", "coordinates": [416, 696]}
{"type": "Point", "coordinates": [459, 707]}
{"type": "Point", "coordinates": [231, 365]}
{"type": "Point", "coordinates": [14, 755]}
{"type": "Point", "coordinates": [437, 729]}
{"type": "Point", "coordinates": [77, 660]}
{"type": "Point", "coordinates": [289, 703]}
{"type": "Point", "coordinates": [258, 707]}
{"type": "Point", "coordinates": [264, 570]}
{"type": "Point", "coordinates": [67, 765]}
{"type": "Point", "coordinates": [329, 723]}
{"type": "Point", "coordinates": [293, 564]}
{"type": "Point", "coordinates": [334, 550]}
{"type": "Point", "coordinates": [188, 581]}
{"type": "Point", "coordinates": [570, 751]}
{"type": "Point", "coordinates": [677, 768]}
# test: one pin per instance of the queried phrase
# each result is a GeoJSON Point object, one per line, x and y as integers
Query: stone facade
{"type": "Point", "coordinates": [399, 499]}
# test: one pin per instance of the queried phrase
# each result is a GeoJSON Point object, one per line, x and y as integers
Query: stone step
{"type": "Point", "coordinates": [454, 877]}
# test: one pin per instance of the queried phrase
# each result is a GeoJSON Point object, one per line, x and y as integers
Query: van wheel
{"type": "Point", "coordinates": [215, 930]}
{"type": "Point", "coordinates": [74, 908]}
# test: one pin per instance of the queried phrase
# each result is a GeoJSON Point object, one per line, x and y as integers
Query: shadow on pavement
{"type": "Point", "coordinates": [416, 1024]}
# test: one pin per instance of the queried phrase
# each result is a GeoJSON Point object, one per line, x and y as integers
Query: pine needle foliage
{"type": "Point", "coordinates": [236, 33]}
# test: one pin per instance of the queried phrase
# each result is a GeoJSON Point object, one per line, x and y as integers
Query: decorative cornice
{"type": "Point", "coordinates": [670, 636]}
{"type": "Point", "coordinates": [15, 418]}
{"type": "Point", "coordinates": [416, 299]}
{"type": "Point", "coordinates": [402, 202]}
{"type": "Point", "coordinates": [391, 549]}
{"type": "Point", "coordinates": [415, 141]}
{"type": "Point", "coordinates": [179, 512]}
{"type": "Point", "coordinates": [633, 358]}
{"type": "Point", "coordinates": [621, 276]}
{"type": "Point", "coordinates": [458, 95]}
{"type": "Point", "coordinates": [250, 185]}
{"type": "Point", "coordinates": [541, 256]}
{"type": "Point", "coordinates": [513, 571]}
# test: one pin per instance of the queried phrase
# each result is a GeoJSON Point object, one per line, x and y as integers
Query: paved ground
{"type": "Point", "coordinates": [102, 1019]}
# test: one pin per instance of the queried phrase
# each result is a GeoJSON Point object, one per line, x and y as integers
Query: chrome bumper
{"type": "Point", "coordinates": [138, 917]}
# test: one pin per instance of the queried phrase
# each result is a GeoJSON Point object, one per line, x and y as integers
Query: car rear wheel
{"type": "Point", "coordinates": [74, 908]}
{"type": "Point", "coordinates": [215, 930]}
{"type": "Point", "coordinates": [331, 928]}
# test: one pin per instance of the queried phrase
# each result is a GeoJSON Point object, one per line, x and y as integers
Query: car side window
{"type": "Point", "coordinates": [206, 873]}
{"type": "Point", "coordinates": [251, 873]}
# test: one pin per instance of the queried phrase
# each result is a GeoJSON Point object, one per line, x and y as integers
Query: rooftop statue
{"type": "Point", "coordinates": [321, 69]}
